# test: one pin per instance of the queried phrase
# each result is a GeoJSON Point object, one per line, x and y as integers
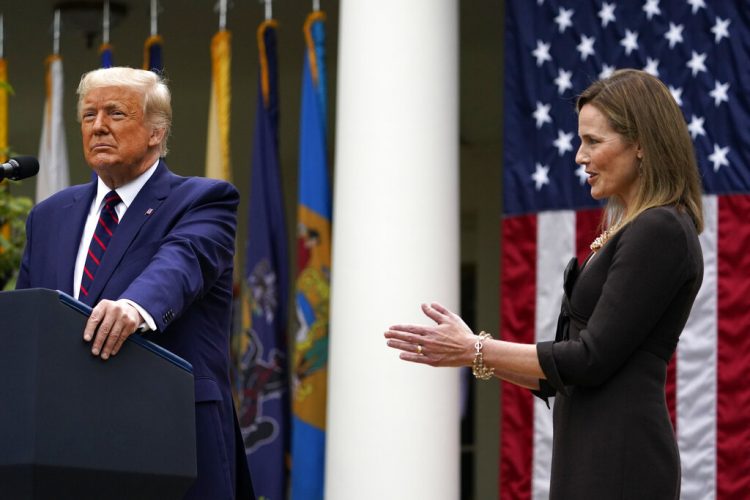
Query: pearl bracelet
{"type": "Point", "coordinates": [477, 367]}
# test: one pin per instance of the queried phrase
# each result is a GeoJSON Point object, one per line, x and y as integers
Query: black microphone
{"type": "Point", "coordinates": [19, 168]}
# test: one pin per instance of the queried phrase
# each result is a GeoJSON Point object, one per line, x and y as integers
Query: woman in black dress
{"type": "Point", "coordinates": [623, 310]}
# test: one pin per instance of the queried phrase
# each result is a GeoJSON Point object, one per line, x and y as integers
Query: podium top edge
{"type": "Point", "coordinates": [137, 339]}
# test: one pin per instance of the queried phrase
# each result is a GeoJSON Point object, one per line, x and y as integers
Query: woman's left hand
{"type": "Point", "coordinates": [448, 343]}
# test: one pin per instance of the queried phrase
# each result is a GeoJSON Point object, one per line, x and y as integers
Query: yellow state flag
{"type": "Point", "coordinates": [218, 161]}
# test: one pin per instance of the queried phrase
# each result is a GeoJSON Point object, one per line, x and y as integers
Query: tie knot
{"type": "Point", "coordinates": [112, 199]}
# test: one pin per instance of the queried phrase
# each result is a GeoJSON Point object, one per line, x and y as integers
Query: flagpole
{"type": "Point", "coordinates": [269, 9]}
{"type": "Point", "coordinates": [222, 15]}
{"type": "Point", "coordinates": [316, 5]}
{"type": "Point", "coordinates": [2, 35]}
{"type": "Point", "coordinates": [154, 18]}
{"type": "Point", "coordinates": [56, 33]}
{"type": "Point", "coordinates": [105, 23]}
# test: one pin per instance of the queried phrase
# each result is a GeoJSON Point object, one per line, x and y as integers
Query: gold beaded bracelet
{"type": "Point", "coordinates": [477, 367]}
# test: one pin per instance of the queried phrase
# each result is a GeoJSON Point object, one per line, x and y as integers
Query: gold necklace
{"type": "Point", "coordinates": [602, 238]}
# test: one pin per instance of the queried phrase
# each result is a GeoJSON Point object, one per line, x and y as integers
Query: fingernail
{"type": "Point", "coordinates": [95, 352]}
{"type": "Point", "coordinates": [105, 356]}
{"type": "Point", "coordinates": [87, 338]}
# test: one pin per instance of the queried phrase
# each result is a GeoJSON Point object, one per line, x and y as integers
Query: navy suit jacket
{"type": "Point", "coordinates": [172, 254]}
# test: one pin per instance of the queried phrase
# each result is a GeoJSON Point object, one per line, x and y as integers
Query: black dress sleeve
{"type": "Point", "coordinates": [647, 269]}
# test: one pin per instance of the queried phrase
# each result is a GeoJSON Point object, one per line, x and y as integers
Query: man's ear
{"type": "Point", "coordinates": [157, 136]}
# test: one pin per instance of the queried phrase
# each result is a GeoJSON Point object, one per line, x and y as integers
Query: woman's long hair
{"type": "Point", "coordinates": [642, 110]}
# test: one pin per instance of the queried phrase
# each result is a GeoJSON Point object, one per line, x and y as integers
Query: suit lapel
{"type": "Point", "coordinates": [71, 220]}
{"type": "Point", "coordinates": [145, 204]}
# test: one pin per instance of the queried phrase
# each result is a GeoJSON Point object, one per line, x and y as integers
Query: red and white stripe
{"type": "Point", "coordinates": [707, 392]}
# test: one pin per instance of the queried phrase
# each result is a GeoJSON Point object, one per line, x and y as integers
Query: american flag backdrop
{"type": "Point", "coordinates": [701, 50]}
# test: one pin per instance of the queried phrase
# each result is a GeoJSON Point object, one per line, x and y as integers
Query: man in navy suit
{"type": "Point", "coordinates": [150, 251]}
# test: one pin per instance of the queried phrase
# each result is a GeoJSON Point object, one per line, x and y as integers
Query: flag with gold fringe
{"type": "Point", "coordinates": [106, 55]}
{"type": "Point", "coordinates": [263, 391]}
{"type": "Point", "coordinates": [153, 58]}
{"type": "Point", "coordinates": [218, 159]}
{"type": "Point", "coordinates": [53, 151]}
{"type": "Point", "coordinates": [314, 274]}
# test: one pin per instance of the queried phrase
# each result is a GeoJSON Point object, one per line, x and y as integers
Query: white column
{"type": "Point", "coordinates": [393, 427]}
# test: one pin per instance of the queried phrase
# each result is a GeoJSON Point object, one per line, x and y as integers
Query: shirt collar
{"type": "Point", "coordinates": [127, 192]}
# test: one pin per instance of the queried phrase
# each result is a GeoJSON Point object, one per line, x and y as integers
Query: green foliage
{"type": "Point", "coordinates": [7, 87]}
{"type": "Point", "coordinates": [13, 212]}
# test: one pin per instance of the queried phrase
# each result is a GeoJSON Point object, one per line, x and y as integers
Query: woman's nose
{"type": "Point", "coordinates": [581, 158]}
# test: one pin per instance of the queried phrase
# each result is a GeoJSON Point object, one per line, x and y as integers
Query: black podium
{"type": "Point", "coordinates": [74, 426]}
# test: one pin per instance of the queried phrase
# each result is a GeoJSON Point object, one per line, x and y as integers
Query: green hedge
{"type": "Point", "coordinates": [13, 212]}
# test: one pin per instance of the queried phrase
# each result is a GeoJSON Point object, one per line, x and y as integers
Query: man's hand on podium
{"type": "Point", "coordinates": [110, 323]}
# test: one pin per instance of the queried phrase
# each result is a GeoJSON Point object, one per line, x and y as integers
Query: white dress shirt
{"type": "Point", "coordinates": [127, 194]}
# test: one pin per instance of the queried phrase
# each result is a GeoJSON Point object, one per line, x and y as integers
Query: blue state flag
{"type": "Point", "coordinates": [153, 58]}
{"type": "Point", "coordinates": [106, 55]}
{"type": "Point", "coordinates": [312, 287]}
{"type": "Point", "coordinates": [263, 391]}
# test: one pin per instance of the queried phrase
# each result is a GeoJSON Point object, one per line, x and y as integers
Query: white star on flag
{"type": "Point", "coordinates": [541, 52]}
{"type": "Point", "coordinates": [652, 67]}
{"type": "Point", "coordinates": [607, 14]}
{"type": "Point", "coordinates": [695, 127]}
{"type": "Point", "coordinates": [606, 71]}
{"type": "Point", "coordinates": [697, 63]}
{"type": "Point", "coordinates": [697, 4]}
{"type": "Point", "coordinates": [564, 142]}
{"type": "Point", "coordinates": [582, 175]}
{"type": "Point", "coordinates": [564, 19]}
{"type": "Point", "coordinates": [540, 176]}
{"type": "Point", "coordinates": [541, 114]}
{"type": "Point", "coordinates": [676, 94]}
{"type": "Point", "coordinates": [586, 47]}
{"type": "Point", "coordinates": [563, 80]}
{"type": "Point", "coordinates": [719, 93]}
{"type": "Point", "coordinates": [651, 8]}
{"type": "Point", "coordinates": [674, 35]}
{"type": "Point", "coordinates": [720, 29]}
{"type": "Point", "coordinates": [719, 157]}
{"type": "Point", "coordinates": [630, 42]}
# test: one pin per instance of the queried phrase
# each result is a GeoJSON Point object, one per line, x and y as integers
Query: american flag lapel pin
{"type": "Point", "coordinates": [149, 211]}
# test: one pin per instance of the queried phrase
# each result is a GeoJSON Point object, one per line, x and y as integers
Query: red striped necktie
{"type": "Point", "coordinates": [105, 228]}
